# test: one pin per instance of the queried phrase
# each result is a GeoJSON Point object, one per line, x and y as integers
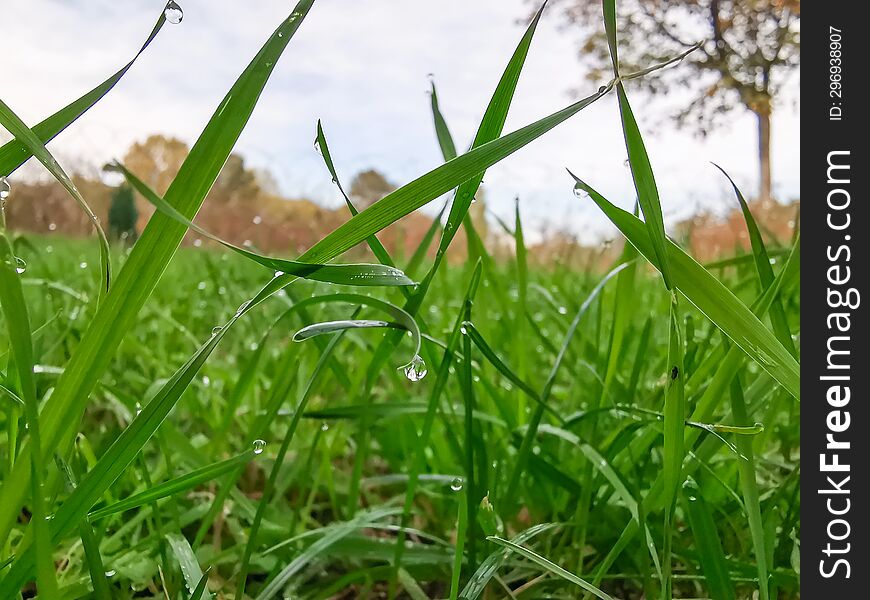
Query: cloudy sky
{"type": "Point", "coordinates": [361, 66]}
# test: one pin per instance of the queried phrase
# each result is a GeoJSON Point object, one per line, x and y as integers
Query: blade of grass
{"type": "Point", "coordinates": [707, 542]}
{"type": "Point", "coordinates": [674, 442]}
{"type": "Point", "coordinates": [173, 486]}
{"type": "Point", "coordinates": [354, 274]}
{"type": "Point", "coordinates": [17, 319]}
{"type": "Point", "coordinates": [29, 139]}
{"type": "Point", "coordinates": [550, 566]}
{"type": "Point", "coordinates": [712, 298]}
{"type": "Point", "coordinates": [765, 271]}
{"type": "Point", "coordinates": [190, 569]}
{"type": "Point", "coordinates": [117, 312]}
{"type": "Point", "coordinates": [13, 154]}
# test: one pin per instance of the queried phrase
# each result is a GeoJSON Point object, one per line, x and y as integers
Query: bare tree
{"type": "Point", "coordinates": [750, 48]}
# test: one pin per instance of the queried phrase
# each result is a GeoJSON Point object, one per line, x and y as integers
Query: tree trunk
{"type": "Point", "coordinates": [764, 181]}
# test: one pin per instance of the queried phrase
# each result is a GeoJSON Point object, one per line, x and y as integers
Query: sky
{"type": "Point", "coordinates": [363, 68]}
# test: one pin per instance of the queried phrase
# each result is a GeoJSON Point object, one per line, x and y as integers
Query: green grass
{"type": "Point", "coordinates": [192, 424]}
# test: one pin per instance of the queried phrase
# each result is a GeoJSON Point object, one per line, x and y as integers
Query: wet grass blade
{"type": "Point", "coordinates": [174, 486]}
{"type": "Point", "coordinates": [550, 566]}
{"type": "Point", "coordinates": [352, 274]}
{"type": "Point", "coordinates": [712, 298]}
{"type": "Point", "coordinates": [118, 310]}
{"type": "Point", "coordinates": [190, 569]}
{"type": "Point", "coordinates": [29, 139]}
{"type": "Point", "coordinates": [13, 154]}
{"type": "Point", "coordinates": [486, 571]}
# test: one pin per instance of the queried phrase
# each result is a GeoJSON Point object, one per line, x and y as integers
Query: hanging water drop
{"type": "Point", "coordinates": [457, 484]}
{"type": "Point", "coordinates": [416, 369]}
{"type": "Point", "coordinates": [197, 243]}
{"type": "Point", "coordinates": [257, 220]}
{"type": "Point", "coordinates": [173, 12]}
{"type": "Point", "coordinates": [110, 573]}
{"type": "Point", "coordinates": [5, 188]}
{"type": "Point", "coordinates": [580, 192]}
{"type": "Point", "coordinates": [324, 427]}
{"type": "Point", "coordinates": [20, 265]}
{"type": "Point", "coordinates": [563, 310]}
{"type": "Point", "coordinates": [463, 330]}
{"type": "Point", "coordinates": [52, 226]}
{"type": "Point", "coordinates": [259, 446]}
{"type": "Point", "coordinates": [83, 265]}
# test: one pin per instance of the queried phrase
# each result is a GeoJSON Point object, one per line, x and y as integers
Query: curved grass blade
{"type": "Point", "coordinates": [404, 321]}
{"type": "Point", "coordinates": [374, 243]}
{"type": "Point", "coordinates": [550, 566]}
{"type": "Point", "coordinates": [117, 312]}
{"type": "Point", "coordinates": [29, 139]}
{"type": "Point", "coordinates": [13, 154]}
{"type": "Point", "coordinates": [354, 274]}
{"type": "Point", "coordinates": [764, 270]}
{"type": "Point", "coordinates": [490, 355]}
{"type": "Point", "coordinates": [333, 535]}
{"type": "Point", "coordinates": [442, 132]}
{"type": "Point", "coordinates": [478, 581]}
{"type": "Point", "coordinates": [712, 298]}
{"type": "Point", "coordinates": [173, 486]}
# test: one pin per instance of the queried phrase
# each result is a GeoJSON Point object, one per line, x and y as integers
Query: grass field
{"type": "Point", "coordinates": [213, 422]}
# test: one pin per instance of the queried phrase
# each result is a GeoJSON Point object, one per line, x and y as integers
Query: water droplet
{"type": "Point", "coordinates": [216, 330]}
{"type": "Point", "coordinates": [279, 273]}
{"type": "Point", "coordinates": [257, 220]}
{"type": "Point", "coordinates": [197, 243]}
{"type": "Point", "coordinates": [49, 249]}
{"type": "Point", "coordinates": [457, 484]}
{"type": "Point", "coordinates": [563, 310]}
{"type": "Point", "coordinates": [20, 265]}
{"type": "Point", "coordinates": [173, 12]}
{"type": "Point", "coordinates": [201, 285]}
{"type": "Point", "coordinates": [247, 243]}
{"type": "Point", "coordinates": [463, 330]}
{"type": "Point", "coordinates": [280, 34]}
{"type": "Point", "coordinates": [52, 226]}
{"type": "Point", "coordinates": [5, 188]}
{"type": "Point", "coordinates": [602, 89]}
{"type": "Point", "coordinates": [580, 192]}
{"type": "Point", "coordinates": [259, 446]}
{"type": "Point", "coordinates": [110, 573]}
{"type": "Point", "coordinates": [416, 369]}
{"type": "Point", "coordinates": [324, 427]}
{"type": "Point", "coordinates": [206, 380]}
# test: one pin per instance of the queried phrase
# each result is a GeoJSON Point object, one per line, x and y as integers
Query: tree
{"type": "Point", "coordinates": [749, 49]}
{"type": "Point", "coordinates": [123, 214]}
